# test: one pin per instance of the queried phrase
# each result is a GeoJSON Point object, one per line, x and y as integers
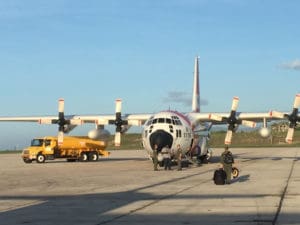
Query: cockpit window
{"type": "Point", "coordinates": [37, 142]}
{"type": "Point", "coordinates": [161, 120]}
{"type": "Point", "coordinates": [176, 120]}
{"type": "Point", "coordinates": [168, 120]}
{"type": "Point", "coordinates": [149, 122]}
{"type": "Point", "coordinates": [154, 121]}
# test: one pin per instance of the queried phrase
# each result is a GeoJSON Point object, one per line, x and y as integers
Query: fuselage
{"type": "Point", "coordinates": [168, 128]}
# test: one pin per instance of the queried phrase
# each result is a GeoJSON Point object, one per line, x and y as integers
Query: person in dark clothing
{"type": "Point", "coordinates": [227, 160]}
{"type": "Point", "coordinates": [179, 157]}
{"type": "Point", "coordinates": [166, 152]}
{"type": "Point", "coordinates": [155, 159]}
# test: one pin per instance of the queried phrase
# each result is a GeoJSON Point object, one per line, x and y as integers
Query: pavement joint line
{"type": "Point", "coordinates": [159, 198]}
{"type": "Point", "coordinates": [284, 191]}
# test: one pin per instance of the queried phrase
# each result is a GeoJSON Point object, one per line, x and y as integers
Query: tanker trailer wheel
{"type": "Point", "coordinates": [83, 157]}
{"type": "Point", "coordinates": [93, 156]}
{"type": "Point", "coordinates": [40, 158]}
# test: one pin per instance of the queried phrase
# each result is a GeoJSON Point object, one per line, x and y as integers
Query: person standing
{"type": "Point", "coordinates": [155, 159]}
{"type": "Point", "coordinates": [179, 157]}
{"type": "Point", "coordinates": [227, 160]}
{"type": "Point", "coordinates": [166, 152]}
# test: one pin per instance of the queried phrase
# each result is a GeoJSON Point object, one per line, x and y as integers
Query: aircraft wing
{"type": "Point", "coordinates": [38, 119]}
{"type": "Point", "coordinates": [221, 118]}
{"type": "Point", "coordinates": [131, 119]}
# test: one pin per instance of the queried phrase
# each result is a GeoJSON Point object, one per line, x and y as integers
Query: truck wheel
{"type": "Point", "coordinates": [93, 156]}
{"type": "Point", "coordinates": [40, 158]}
{"type": "Point", "coordinates": [83, 157]}
{"type": "Point", "coordinates": [27, 160]}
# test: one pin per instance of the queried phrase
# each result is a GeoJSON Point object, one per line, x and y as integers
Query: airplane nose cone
{"type": "Point", "coordinates": [161, 138]}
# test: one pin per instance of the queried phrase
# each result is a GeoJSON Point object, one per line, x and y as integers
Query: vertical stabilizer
{"type": "Point", "coordinates": [196, 95]}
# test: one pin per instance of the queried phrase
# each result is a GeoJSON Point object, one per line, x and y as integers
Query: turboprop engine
{"type": "Point", "coordinates": [265, 132]}
{"type": "Point", "coordinates": [99, 134]}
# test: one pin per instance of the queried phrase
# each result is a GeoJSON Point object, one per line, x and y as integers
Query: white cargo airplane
{"type": "Point", "coordinates": [189, 130]}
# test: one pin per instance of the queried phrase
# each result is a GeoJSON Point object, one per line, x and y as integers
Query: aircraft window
{"type": "Point", "coordinates": [149, 122]}
{"type": "Point", "coordinates": [154, 121]}
{"type": "Point", "coordinates": [168, 120]}
{"type": "Point", "coordinates": [37, 142]}
{"type": "Point", "coordinates": [178, 133]}
{"type": "Point", "coordinates": [178, 122]}
{"type": "Point", "coordinates": [161, 120]}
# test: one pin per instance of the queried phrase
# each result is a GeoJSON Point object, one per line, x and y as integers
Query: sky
{"type": "Point", "coordinates": [92, 52]}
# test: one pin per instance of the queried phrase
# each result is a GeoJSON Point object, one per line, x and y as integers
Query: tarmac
{"type": "Point", "coordinates": [124, 189]}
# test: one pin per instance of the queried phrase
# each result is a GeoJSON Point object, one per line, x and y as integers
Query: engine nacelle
{"type": "Point", "coordinates": [265, 132]}
{"type": "Point", "coordinates": [125, 128]}
{"type": "Point", "coordinates": [99, 134]}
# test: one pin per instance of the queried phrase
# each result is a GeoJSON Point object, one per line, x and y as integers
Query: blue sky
{"type": "Point", "coordinates": [92, 52]}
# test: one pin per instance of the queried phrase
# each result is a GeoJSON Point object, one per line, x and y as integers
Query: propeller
{"type": "Point", "coordinates": [118, 122]}
{"type": "Point", "coordinates": [232, 121]}
{"type": "Point", "coordinates": [61, 121]}
{"type": "Point", "coordinates": [293, 118]}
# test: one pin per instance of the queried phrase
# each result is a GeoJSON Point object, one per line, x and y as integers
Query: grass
{"type": "Point", "coordinates": [240, 139]}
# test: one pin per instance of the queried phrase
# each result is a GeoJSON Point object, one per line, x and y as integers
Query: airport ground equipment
{"type": "Point", "coordinates": [73, 148]}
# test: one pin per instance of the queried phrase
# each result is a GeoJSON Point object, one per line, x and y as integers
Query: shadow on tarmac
{"type": "Point", "coordinates": [95, 209]}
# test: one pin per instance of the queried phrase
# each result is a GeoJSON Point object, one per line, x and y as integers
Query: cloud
{"type": "Point", "coordinates": [181, 97]}
{"type": "Point", "coordinates": [293, 65]}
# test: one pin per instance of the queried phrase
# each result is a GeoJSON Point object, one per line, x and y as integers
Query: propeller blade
{"type": "Point", "coordinates": [297, 101]}
{"type": "Point", "coordinates": [61, 105]}
{"type": "Point", "coordinates": [289, 136]}
{"type": "Point", "coordinates": [248, 123]}
{"type": "Point", "coordinates": [60, 137]}
{"type": "Point", "coordinates": [235, 103]}
{"type": "Point", "coordinates": [215, 117]}
{"type": "Point", "coordinates": [277, 114]}
{"type": "Point", "coordinates": [117, 139]}
{"type": "Point", "coordinates": [228, 137]}
{"type": "Point", "coordinates": [118, 122]}
{"type": "Point", "coordinates": [118, 105]}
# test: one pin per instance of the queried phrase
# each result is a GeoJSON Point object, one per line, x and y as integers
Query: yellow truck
{"type": "Point", "coordinates": [75, 148]}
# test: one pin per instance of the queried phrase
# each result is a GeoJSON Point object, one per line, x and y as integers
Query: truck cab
{"type": "Point", "coordinates": [39, 150]}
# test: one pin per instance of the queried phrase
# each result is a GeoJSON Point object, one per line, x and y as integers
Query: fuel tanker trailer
{"type": "Point", "coordinates": [73, 148]}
